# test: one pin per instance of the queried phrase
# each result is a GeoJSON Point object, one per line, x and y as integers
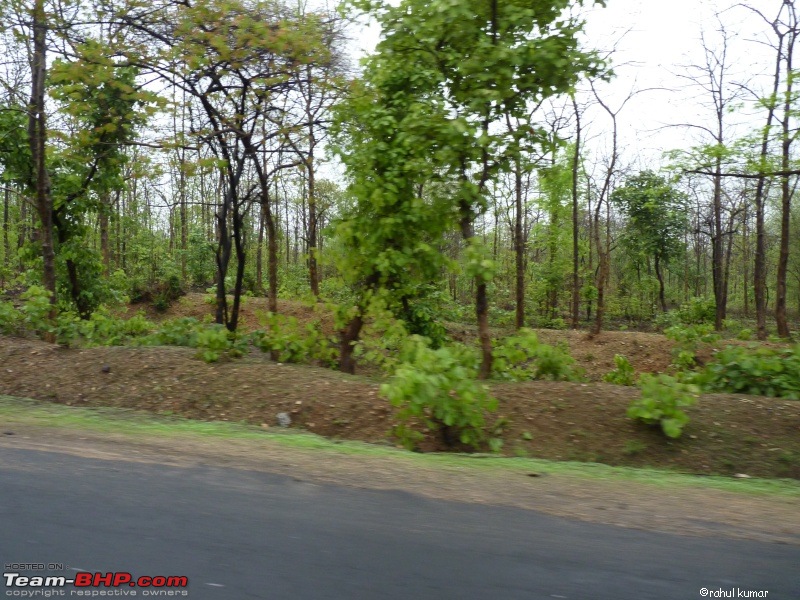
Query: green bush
{"type": "Point", "coordinates": [623, 373]}
{"type": "Point", "coordinates": [688, 339]}
{"type": "Point", "coordinates": [661, 402]}
{"type": "Point", "coordinates": [213, 343]}
{"type": "Point", "coordinates": [36, 309]}
{"type": "Point", "coordinates": [522, 356]}
{"type": "Point", "coordinates": [436, 388]}
{"type": "Point", "coordinates": [754, 370]}
{"type": "Point", "coordinates": [11, 319]}
{"type": "Point", "coordinates": [287, 341]}
{"type": "Point", "coordinates": [697, 311]}
{"type": "Point", "coordinates": [182, 331]}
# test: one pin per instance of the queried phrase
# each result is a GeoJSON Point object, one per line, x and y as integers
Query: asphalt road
{"type": "Point", "coordinates": [240, 534]}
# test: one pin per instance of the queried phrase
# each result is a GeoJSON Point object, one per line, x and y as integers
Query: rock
{"type": "Point", "coordinates": [284, 420]}
{"type": "Point", "coordinates": [106, 369]}
{"type": "Point", "coordinates": [742, 476]}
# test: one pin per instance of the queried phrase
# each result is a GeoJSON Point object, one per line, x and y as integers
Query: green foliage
{"type": "Point", "coordinates": [10, 318]}
{"type": "Point", "coordinates": [36, 309]}
{"type": "Point", "coordinates": [697, 311]}
{"type": "Point", "coordinates": [522, 357]}
{"type": "Point", "coordinates": [688, 340]}
{"type": "Point", "coordinates": [436, 389]}
{"type": "Point", "coordinates": [182, 331]}
{"type": "Point", "coordinates": [661, 402]}
{"type": "Point", "coordinates": [754, 370]}
{"type": "Point", "coordinates": [421, 315]}
{"type": "Point", "coordinates": [623, 374]}
{"type": "Point", "coordinates": [287, 341]}
{"type": "Point", "coordinates": [382, 339]}
{"type": "Point", "coordinates": [213, 343]}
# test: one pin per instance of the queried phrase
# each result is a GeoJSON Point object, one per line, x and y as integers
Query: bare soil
{"type": "Point", "coordinates": [728, 434]}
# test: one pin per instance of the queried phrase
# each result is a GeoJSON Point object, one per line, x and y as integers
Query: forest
{"type": "Point", "coordinates": [437, 206]}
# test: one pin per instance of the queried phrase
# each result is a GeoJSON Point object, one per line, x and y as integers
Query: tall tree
{"type": "Point", "coordinates": [473, 64]}
{"type": "Point", "coordinates": [656, 214]}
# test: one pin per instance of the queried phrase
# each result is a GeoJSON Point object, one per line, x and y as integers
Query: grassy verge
{"type": "Point", "coordinates": [133, 424]}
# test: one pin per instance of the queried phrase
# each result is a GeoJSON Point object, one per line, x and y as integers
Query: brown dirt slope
{"type": "Point", "coordinates": [728, 434]}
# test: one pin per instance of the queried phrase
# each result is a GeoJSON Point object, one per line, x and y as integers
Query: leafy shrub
{"type": "Point", "coordinates": [382, 340]}
{"type": "Point", "coordinates": [421, 317]}
{"type": "Point", "coordinates": [697, 311]}
{"type": "Point", "coordinates": [437, 388]}
{"type": "Point", "coordinates": [287, 341]}
{"type": "Point", "coordinates": [661, 402]}
{"type": "Point", "coordinates": [36, 309]}
{"type": "Point", "coordinates": [10, 318]}
{"type": "Point", "coordinates": [688, 339]}
{"type": "Point", "coordinates": [622, 374]}
{"type": "Point", "coordinates": [213, 343]}
{"type": "Point", "coordinates": [182, 331]}
{"type": "Point", "coordinates": [522, 357]}
{"type": "Point", "coordinates": [754, 370]}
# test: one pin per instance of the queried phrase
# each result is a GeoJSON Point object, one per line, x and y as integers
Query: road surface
{"type": "Point", "coordinates": [238, 534]}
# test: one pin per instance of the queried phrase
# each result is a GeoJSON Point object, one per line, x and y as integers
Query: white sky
{"type": "Point", "coordinates": [655, 41]}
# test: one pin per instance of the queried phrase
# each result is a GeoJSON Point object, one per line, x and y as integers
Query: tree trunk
{"type": "Point", "coordinates": [575, 257]}
{"type": "Point", "coordinates": [37, 138]}
{"type": "Point", "coordinates": [786, 195]}
{"type": "Point", "coordinates": [519, 248]}
{"type": "Point", "coordinates": [661, 298]}
{"type": "Point", "coordinates": [272, 256]}
{"type": "Point", "coordinates": [347, 339]}
{"type": "Point", "coordinates": [6, 242]}
{"type": "Point", "coordinates": [105, 249]}
{"type": "Point", "coordinates": [260, 252]}
{"type": "Point", "coordinates": [481, 299]}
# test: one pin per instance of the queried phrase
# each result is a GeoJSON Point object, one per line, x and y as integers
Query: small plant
{"type": "Point", "coordinates": [286, 341]}
{"type": "Point", "coordinates": [623, 374]}
{"type": "Point", "coordinates": [754, 370]}
{"type": "Point", "coordinates": [661, 402]}
{"type": "Point", "coordinates": [437, 390]}
{"type": "Point", "coordinates": [212, 343]}
{"type": "Point", "coordinates": [688, 340]}
{"type": "Point", "coordinates": [10, 318]}
{"type": "Point", "coordinates": [523, 357]}
{"type": "Point", "coordinates": [37, 308]}
{"type": "Point", "coordinates": [634, 447]}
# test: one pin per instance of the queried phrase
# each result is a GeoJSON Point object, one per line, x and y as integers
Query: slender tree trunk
{"type": "Point", "coordinates": [6, 242]}
{"type": "Point", "coordinates": [37, 138]}
{"type": "Point", "coordinates": [481, 300]}
{"type": "Point", "coordinates": [313, 275]}
{"type": "Point", "coordinates": [576, 288]}
{"type": "Point", "coordinates": [239, 246]}
{"type": "Point", "coordinates": [272, 255]}
{"type": "Point", "coordinates": [519, 247]}
{"type": "Point", "coordinates": [659, 275]}
{"type": "Point", "coordinates": [105, 250]}
{"type": "Point", "coordinates": [223, 255]}
{"type": "Point", "coordinates": [260, 251]}
{"type": "Point", "coordinates": [786, 195]}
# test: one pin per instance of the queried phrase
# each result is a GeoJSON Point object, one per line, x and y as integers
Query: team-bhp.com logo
{"type": "Point", "coordinates": [90, 581]}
